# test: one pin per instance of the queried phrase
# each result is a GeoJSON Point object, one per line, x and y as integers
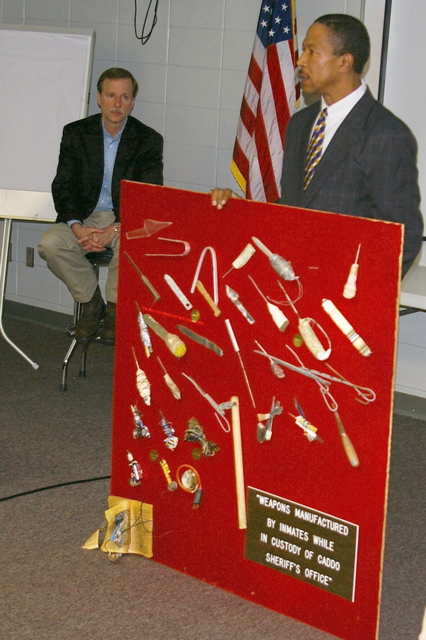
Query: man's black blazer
{"type": "Point", "coordinates": [78, 181]}
{"type": "Point", "coordinates": [369, 169]}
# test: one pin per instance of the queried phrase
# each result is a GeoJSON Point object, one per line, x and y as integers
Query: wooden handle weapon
{"type": "Point", "coordinates": [238, 459]}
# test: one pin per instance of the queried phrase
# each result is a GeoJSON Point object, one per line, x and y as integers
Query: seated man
{"type": "Point", "coordinates": [96, 153]}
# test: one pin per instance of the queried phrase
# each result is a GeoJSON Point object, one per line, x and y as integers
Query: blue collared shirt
{"type": "Point", "coordinates": [110, 153]}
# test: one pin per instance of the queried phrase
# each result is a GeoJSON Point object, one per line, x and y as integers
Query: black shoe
{"type": "Point", "coordinates": [91, 314]}
{"type": "Point", "coordinates": [108, 325]}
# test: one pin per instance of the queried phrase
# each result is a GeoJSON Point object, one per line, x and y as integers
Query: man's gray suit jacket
{"type": "Point", "coordinates": [369, 169]}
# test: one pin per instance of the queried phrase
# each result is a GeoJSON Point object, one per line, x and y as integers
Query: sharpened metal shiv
{"type": "Point", "coordinates": [200, 339]}
{"type": "Point", "coordinates": [178, 292]}
{"type": "Point", "coordinates": [218, 408]}
{"type": "Point", "coordinates": [235, 298]}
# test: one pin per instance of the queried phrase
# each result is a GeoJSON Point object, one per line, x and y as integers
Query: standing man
{"type": "Point", "coordinates": [96, 153]}
{"type": "Point", "coordinates": [347, 153]}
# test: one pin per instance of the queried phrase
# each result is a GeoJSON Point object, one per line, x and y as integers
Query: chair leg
{"type": "Point", "coordinates": [84, 349]}
{"type": "Point", "coordinates": [71, 333]}
{"type": "Point", "coordinates": [65, 362]}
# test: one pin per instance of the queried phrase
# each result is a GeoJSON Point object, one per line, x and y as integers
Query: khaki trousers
{"type": "Point", "coordinates": [65, 258]}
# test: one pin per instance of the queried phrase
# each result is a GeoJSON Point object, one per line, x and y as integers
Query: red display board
{"type": "Point", "coordinates": [313, 542]}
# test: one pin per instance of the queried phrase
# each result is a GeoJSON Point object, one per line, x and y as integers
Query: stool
{"type": "Point", "coordinates": [97, 260]}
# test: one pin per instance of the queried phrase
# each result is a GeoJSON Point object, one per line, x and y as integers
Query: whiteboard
{"type": "Point", "coordinates": [34, 206]}
{"type": "Point", "coordinates": [46, 76]}
{"type": "Point", "coordinates": [404, 85]}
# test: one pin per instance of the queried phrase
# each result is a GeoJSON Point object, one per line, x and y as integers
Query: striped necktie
{"type": "Point", "coordinates": [315, 148]}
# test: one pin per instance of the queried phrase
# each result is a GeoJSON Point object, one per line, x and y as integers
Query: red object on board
{"type": "Point", "coordinates": [206, 542]}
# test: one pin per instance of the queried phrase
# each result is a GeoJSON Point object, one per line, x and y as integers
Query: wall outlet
{"type": "Point", "coordinates": [30, 257]}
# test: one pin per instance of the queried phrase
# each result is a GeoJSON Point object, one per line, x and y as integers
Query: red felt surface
{"type": "Point", "coordinates": [206, 542]}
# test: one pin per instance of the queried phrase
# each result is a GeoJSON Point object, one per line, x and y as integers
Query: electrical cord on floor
{"type": "Point", "coordinates": [53, 486]}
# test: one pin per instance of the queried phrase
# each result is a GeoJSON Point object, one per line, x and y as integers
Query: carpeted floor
{"type": "Point", "coordinates": [54, 468]}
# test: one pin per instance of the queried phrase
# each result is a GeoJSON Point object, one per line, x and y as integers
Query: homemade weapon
{"type": "Point", "coordinates": [238, 461]}
{"type": "Point", "coordinates": [235, 298]}
{"type": "Point", "coordinates": [308, 334]}
{"type": "Point", "coordinates": [242, 258]}
{"type": "Point", "coordinates": [144, 332]}
{"type": "Point", "coordinates": [169, 382]}
{"type": "Point", "coordinates": [173, 342]}
{"type": "Point", "coordinates": [140, 430]}
{"type": "Point", "coordinates": [237, 351]}
{"type": "Point", "coordinates": [277, 315]}
{"type": "Point", "coordinates": [346, 328]}
{"type": "Point", "coordinates": [349, 290]}
{"type": "Point", "coordinates": [278, 263]}
{"type": "Point", "coordinates": [142, 383]}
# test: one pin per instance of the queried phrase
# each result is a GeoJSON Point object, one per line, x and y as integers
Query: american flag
{"type": "Point", "coordinates": [270, 98]}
